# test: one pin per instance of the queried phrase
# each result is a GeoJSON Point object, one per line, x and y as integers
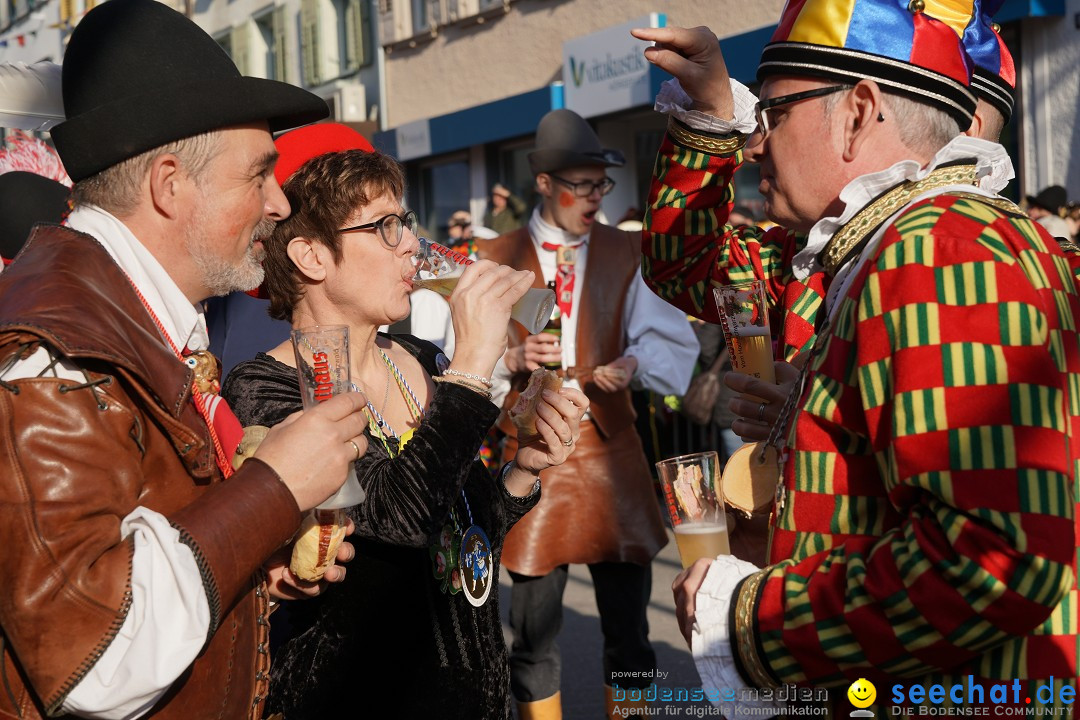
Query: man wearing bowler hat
{"type": "Point", "coordinates": [600, 507]}
{"type": "Point", "coordinates": [923, 534]}
{"type": "Point", "coordinates": [1046, 209]}
{"type": "Point", "coordinates": [132, 580]}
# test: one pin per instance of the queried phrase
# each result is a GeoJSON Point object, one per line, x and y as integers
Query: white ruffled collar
{"type": "Point", "coordinates": [993, 170]}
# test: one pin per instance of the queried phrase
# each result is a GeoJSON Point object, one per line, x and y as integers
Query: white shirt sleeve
{"type": "Point", "coordinates": [660, 337]}
{"type": "Point", "coordinates": [711, 645]}
{"type": "Point", "coordinates": [169, 617]}
{"type": "Point", "coordinates": [674, 101]}
{"type": "Point", "coordinates": [162, 634]}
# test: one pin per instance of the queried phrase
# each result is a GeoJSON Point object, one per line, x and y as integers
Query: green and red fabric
{"type": "Point", "coordinates": [688, 248]}
{"type": "Point", "coordinates": [929, 527]}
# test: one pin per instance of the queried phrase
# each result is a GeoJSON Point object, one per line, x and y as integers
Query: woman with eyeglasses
{"type": "Point", "coordinates": [414, 625]}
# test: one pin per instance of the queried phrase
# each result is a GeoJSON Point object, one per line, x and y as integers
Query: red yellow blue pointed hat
{"type": "Point", "coordinates": [994, 76]}
{"type": "Point", "coordinates": [897, 43]}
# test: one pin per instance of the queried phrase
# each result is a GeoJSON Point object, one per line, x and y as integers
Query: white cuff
{"type": "Point", "coordinates": [713, 648]}
{"type": "Point", "coordinates": [673, 100]}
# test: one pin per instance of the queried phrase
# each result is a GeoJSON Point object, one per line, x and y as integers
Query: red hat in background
{"type": "Point", "coordinates": [298, 146]}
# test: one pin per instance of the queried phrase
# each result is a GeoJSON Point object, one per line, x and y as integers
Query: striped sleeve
{"type": "Point", "coordinates": [687, 246]}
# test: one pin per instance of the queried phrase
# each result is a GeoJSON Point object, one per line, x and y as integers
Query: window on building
{"type": "Point", "coordinates": [420, 19]}
{"type": "Point", "coordinates": [444, 189]}
{"type": "Point", "coordinates": [264, 49]}
{"type": "Point", "coordinates": [225, 41]}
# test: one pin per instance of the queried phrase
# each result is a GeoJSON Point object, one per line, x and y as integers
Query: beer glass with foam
{"type": "Point", "coordinates": [439, 268]}
{"type": "Point", "coordinates": [695, 505]}
{"type": "Point", "coordinates": [322, 364]}
{"type": "Point", "coordinates": [744, 318]}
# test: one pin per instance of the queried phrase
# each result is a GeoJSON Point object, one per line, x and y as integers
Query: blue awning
{"type": "Point", "coordinates": [497, 120]}
{"type": "Point", "coordinates": [1020, 9]}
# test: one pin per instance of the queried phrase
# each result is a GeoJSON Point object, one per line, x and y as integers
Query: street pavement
{"type": "Point", "coordinates": [582, 643]}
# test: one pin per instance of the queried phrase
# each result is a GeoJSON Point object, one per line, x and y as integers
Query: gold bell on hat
{"type": "Point", "coordinates": [916, 6]}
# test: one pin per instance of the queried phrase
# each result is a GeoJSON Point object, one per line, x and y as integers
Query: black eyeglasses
{"type": "Point", "coordinates": [762, 116]}
{"type": "Point", "coordinates": [585, 188]}
{"type": "Point", "coordinates": [390, 227]}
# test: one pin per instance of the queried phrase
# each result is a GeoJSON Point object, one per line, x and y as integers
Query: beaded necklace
{"type": "Point", "coordinates": [453, 551]}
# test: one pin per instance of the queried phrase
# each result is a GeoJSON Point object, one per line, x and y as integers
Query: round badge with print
{"type": "Point", "coordinates": [477, 565]}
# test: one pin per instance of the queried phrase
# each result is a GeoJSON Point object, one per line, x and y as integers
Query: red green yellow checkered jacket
{"type": "Point", "coordinates": [929, 526]}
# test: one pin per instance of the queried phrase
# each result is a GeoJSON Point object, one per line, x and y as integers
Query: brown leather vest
{"type": "Point", "coordinates": [614, 258]}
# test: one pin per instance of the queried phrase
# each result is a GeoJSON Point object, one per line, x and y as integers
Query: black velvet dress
{"type": "Point", "coordinates": [387, 641]}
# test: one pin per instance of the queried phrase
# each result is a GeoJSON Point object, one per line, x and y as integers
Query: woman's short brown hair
{"type": "Point", "coordinates": [323, 193]}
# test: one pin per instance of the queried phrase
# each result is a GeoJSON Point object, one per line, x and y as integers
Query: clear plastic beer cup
{"type": "Point", "coordinates": [322, 364]}
{"type": "Point", "coordinates": [695, 504]}
{"type": "Point", "coordinates": [439, 268]}
{"type": "Point", "coordinates": [744, 318]}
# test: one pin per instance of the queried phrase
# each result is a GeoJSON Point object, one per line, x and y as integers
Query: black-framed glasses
{"type": "Point", "coordinates": [390, 227]}
{"type": "Point", "coordinates": [761, 108]}
{"type": "Point", "coordinates": [585, 188]}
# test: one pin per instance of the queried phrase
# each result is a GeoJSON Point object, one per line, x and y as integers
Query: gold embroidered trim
{"type": "Point", "coordinates": [867, 219]}
{"type": "Point", "coordinates": [746, 641]}
{"type": "Point", "coordinates": [704, 143]}
{"type": "Point", "coordinates": [1006, 206]}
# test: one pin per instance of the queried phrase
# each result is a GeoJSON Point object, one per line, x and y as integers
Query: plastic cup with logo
{"type": "Point", "coordinates": [744, 318]}
{"type": "Point", "coordinates": [322, 364]}
{"type": "Point", "coordinates": [439, 268]}
{"type": "Point", "coordinates": [695, 504]}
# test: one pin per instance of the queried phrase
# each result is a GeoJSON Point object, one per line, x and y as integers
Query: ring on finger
{"type": "Point", "coordinates": [356, 448]}
{"type": "Point", "coordinates": [569, 442]}
{"type": "Point", "coordinates": [761, 411]}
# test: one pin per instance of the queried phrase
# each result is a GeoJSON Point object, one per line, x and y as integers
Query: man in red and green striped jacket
{"type": "Point", "coordinates": [926, 530]}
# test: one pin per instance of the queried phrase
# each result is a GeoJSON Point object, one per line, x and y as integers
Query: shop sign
{"type": "Point", "coordinates": [607, 71]}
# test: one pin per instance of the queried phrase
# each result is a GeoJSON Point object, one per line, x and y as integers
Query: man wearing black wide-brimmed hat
{"type": "Point", "coordinates": [131, 583]}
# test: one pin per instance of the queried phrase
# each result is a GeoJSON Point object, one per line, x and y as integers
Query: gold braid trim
{"type": "Point", "coordinates": [704, 143]}
{"type": "Point", "coordinates": [745, 640]}
{"type": "Point", "coordinates": [868, 219]}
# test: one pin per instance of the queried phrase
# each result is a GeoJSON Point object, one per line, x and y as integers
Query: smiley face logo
{"type": "Point", "coordinates": [862, 693]}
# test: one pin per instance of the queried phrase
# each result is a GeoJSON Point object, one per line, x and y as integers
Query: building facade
{"type": "Point", "coordinates": [466, 82]}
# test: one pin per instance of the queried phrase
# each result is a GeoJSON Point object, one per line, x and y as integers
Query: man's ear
{"type": "Point", "coordinates": [863, 109]}
{"type": "Point", "coordinates": [168, 185]}
{"type": "Point", "coordinates": [309, 257]}
{"type": "Point", "coordinates": [543, 184]}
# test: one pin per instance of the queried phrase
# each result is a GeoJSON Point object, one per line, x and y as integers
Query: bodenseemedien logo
{"type": "Point", "coordinates": [862, 695]}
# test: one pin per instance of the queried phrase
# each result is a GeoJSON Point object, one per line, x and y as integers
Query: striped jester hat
{"type": "Point", "coordinates": [896, 43]}
{"type": "Point", "coordinates": [993, 77]}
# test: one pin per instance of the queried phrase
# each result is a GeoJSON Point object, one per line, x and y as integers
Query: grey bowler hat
{"type": "Point", "coordinates": [565, 140]}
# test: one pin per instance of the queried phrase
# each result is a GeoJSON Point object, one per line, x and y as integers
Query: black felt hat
{"type": "Point", "coordinates": [565, 140]}
{"type": "Point", "coordinates": [1051, 198]}
{"type": "Point", "coordinates": [26, 199]}
{"type": "Point", "coordinates": [137, 75]}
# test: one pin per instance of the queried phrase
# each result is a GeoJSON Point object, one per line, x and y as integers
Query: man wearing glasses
{"type": "Point", "coordinates": [599, 507]}
{"type": "Point", "coordinates": [917, 461]}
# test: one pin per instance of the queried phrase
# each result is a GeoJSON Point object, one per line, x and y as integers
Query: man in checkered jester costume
{"type": "Point", "coordinates": [925, 532]}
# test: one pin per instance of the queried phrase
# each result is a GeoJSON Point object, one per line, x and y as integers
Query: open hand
{"type": "Point", "coordinates": [693, 56]}
{"type": "Point", "coordinates": [558, 422]}
{"type": "Point", "coordinates": [284, 585]}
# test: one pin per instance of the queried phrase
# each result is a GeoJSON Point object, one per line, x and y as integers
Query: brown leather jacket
{"type": "Point", "coordinates": [77, 458]}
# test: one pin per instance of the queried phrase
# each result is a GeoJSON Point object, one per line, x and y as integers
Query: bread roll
{"type": "Point", "coordinates": [317, 543]}
{"type": "Point", "coordinates": [523, 414]}
{"type": "Point", "coordinates": [253, 437]}
{"type": "Point", "coordinates": [748, 484]}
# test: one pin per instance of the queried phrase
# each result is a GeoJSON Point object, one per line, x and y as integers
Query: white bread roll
{"type": "Point", "coordinates": [317, 543]}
